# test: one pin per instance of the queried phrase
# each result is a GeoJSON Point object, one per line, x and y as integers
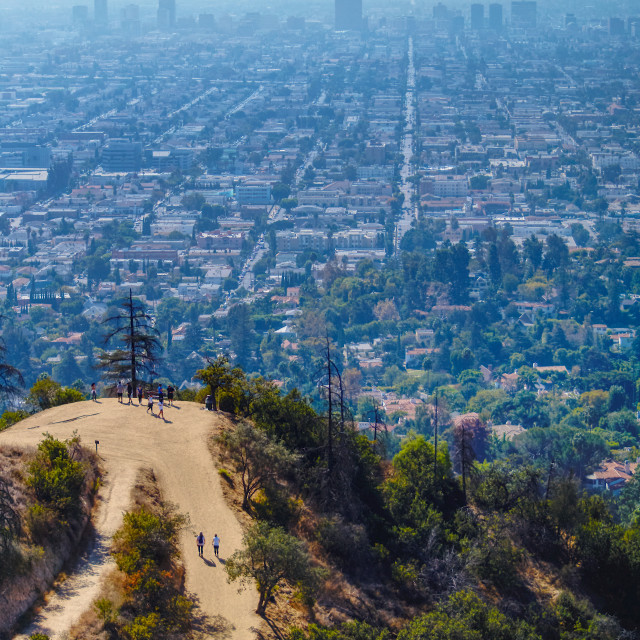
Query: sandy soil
{"type": "Point", "coordinates": [177, 451]}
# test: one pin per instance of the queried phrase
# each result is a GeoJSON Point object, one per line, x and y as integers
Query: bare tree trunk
{"type": "Point", "coordinates": [435, 442]}
{"type": "Point", "coordinates": [133, 350]}
{"type": "Point", "coordinates": [330, 416]}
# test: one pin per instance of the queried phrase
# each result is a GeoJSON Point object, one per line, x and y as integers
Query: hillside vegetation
{"type": "Point", "coordinates": [45, 503]}
{"type": "Point", "coordinates": [407, 549]}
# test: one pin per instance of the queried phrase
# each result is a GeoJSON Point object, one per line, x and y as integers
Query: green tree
{"type": "Point", "coordinates": [258, 459]}
{"type": "Point", "coordinates": [580, 234]}
{"type": "Point", "coordinates": [47, 393]}
{"type": "Point", "coordinates": [240, 327]}
{"type": "Point", "coordinates": [271, 558]}
{"type": "Point", "coordinates": [218, 375]}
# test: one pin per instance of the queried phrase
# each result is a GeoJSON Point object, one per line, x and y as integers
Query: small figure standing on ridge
{"type": "Point", "coordinates": [120, 390]}
{"type": "Point", "coordinates": [170, 391]}
{"type": "Point", "coordinates": [94, 394]}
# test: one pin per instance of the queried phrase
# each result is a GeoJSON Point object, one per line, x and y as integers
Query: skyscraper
{"type": "Point", "coordinates": [166, 14]}
{"type": "Point", "coordinates": [100, 12]}
{"type": "Point", "coordinates": [477, 16]}
{"type": "Point", "coordinates": [131, 20]}
{"type": "Point", "coordinates": [524, 13]}
{"type": "Point", "coordinates": [348, 15]}
{"type": "Point", "coordinates": [80, 14]}
{"type": "Point", "coordinates": [495, 16]}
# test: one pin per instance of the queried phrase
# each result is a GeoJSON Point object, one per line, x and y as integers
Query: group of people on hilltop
{"type": "Point", "coordinates": [120, 389]}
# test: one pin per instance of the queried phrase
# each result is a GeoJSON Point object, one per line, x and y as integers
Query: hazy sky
{"type": "Point", "coordinates": [59, 10]}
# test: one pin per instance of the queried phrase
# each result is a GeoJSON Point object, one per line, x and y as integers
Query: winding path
{"type": "Point", "coordinates": [177, 452]}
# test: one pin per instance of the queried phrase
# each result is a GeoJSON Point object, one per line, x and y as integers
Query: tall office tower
{"type": "Point", "coordinates": [524, 13]}
{"type": "Point", "coordinates": [616, 27]}
{"type": "Point", "coordinates": [441, 12]}
{"type": "Point", "coordinates": [80, 14]}
{"type": "Point", "coordinates": [100, 12]}
{"type": "Point", "coordinates": [348, 15]}
{"type": "Point", "coordinates": [477, 16]}
{"type": "Point", "coordinates": [166, 14]}
{"type": "Point", "coordinates": [495, 16]}
{"type": "Point", "coordinates": [131, 20]}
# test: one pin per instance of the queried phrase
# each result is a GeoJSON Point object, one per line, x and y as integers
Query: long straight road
{"type": "Point", "coordinates": [407, 188]}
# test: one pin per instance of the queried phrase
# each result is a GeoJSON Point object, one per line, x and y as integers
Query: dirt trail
{"type": "Point", "coordinates": [177, 452]}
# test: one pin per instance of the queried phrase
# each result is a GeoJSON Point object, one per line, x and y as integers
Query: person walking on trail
{"type": "Point", "coordinates": [129, 391]}
{"type": "Point", "coordinates": [150, 404]}
{"type": "Point", "coordinates": [120, 390]}
{"type": "Point", "coordinates": [216, 545]}
{"type": "Point", "coordinates": [161, 407]}
{"type": "Point", "coordinates": [94, 394]}
{"type": "Point", "coordinates": [139, 394]}
{"type": "Point", "coordinates": [160, 393]}
{"type": "Point", "coordinates": [170, 391]}
{"type": "Point", "coordinates": [200, 542]}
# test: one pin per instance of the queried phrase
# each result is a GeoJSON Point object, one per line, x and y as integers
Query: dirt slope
{"type": "Point", "coordinates": [177, 452]}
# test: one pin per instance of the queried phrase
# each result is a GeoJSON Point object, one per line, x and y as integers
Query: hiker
{"type": "Point", "coordinates": [216, 544]}
{"type": "Point", "coordinates": [94, 394]}
{"type": "Point", "coordinates": [119, 390]}
{"type": "Point", "coordinates": [170, 391]}
{"type": "Point", "coordinates": [129, 391]}
{"type": "Point", "coordinates": [139, 394]}
{"type": "Point", "coordinates": [150, 404]}
{"type": "Point", "coordinates": [200, 541]}
{"type": "Point", "coordinates": [161, 407]}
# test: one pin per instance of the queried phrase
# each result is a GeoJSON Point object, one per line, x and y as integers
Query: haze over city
{"type": "Point", "coordinates": [319, 320]}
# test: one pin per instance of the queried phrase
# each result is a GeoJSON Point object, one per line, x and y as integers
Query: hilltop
{"type": "Point", "coordinates": [177, 451]}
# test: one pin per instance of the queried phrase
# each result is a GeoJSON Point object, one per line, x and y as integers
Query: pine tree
{"type": "Point", "coordinates": [139, 353]}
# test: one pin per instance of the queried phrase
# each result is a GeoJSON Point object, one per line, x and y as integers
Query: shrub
{"type": "Point", "coordinates": [143, 627]}
{"type": "Point", "coordinates": [188, 395]}
{"type": "Point", "coordinates": [200, 396]}
{"type": "Point", "coordinates": [47, 393]}
{"type": "Point", "coordinates": [67, 395]}
{"type": "Point", "coordinates": [146, 537]}
{"type": "Point", "coordinates": [9, 418]}
{"type": "Point", "coordinates": [495, 560]}
{"type": "Point", "coordinates": [105, 610]}
{"type": "Point", "coordinates": [275, 506]}
{"type": "Point", "coordinates": [225, 475]}
{"type": "Point", "coordinates": [226, 402]}
{"type": "Point", "coordinates": [347, 544]}
{"type": "Point", "coordinates": [55, 477]}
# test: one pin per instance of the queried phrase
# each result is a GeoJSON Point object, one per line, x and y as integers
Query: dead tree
{"type": "Point", "coordinates": [138, 354]}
